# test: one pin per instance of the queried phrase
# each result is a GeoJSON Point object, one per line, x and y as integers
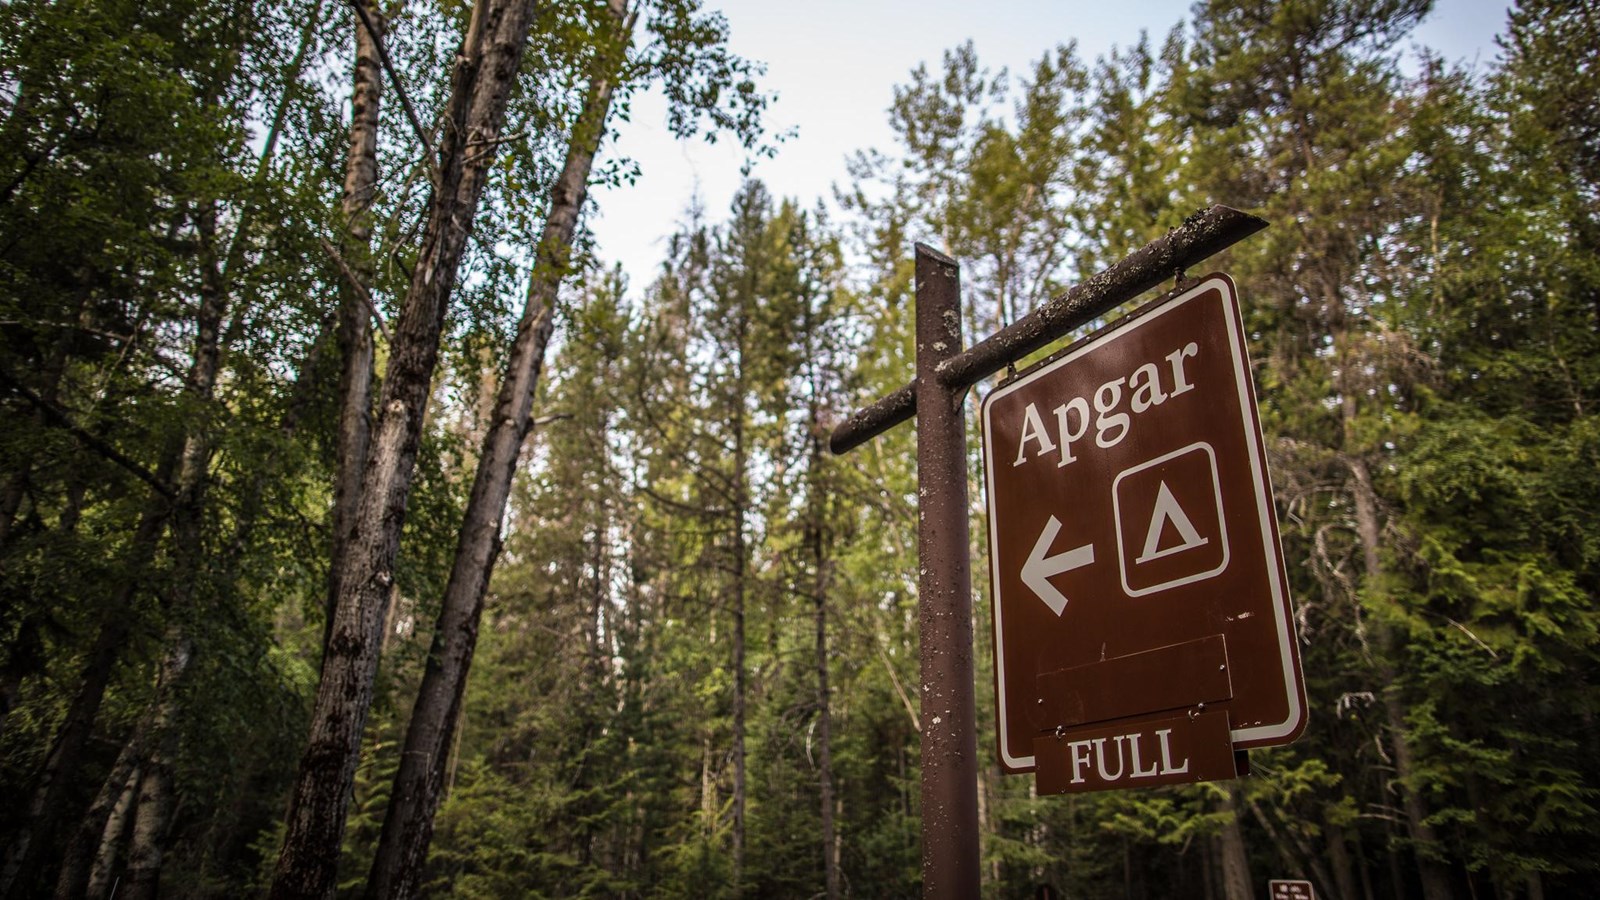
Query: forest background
{"type": "Point", "coordinates": [285, 460]}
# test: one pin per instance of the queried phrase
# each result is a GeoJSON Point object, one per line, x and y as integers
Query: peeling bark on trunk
{"type": "Point", "coordinates": [111, 840]}
{"type": "Point", "coordinates": [355, 322]}
{"type": "Point", "coordinates": [100, 835]}
{"type": "Point", "coordinates": [152, 818]}
{"type": "Point", "coordinates": [485, 73]}
{"type": "Point", "coordinates": [408, 823]}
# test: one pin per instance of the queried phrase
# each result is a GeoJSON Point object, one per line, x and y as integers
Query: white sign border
{"type": "Point", "coordinates": [1258, 470]}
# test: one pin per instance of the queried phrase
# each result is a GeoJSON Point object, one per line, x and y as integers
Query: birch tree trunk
{"type": "Point", "coordinates": [103, 828]}
{"type": "Point", "coordinates": [46, 806]}
{"type": "Point", "coordinates": [153, 815]}
{"type": "Point", "coordinates": [61, 765]}
{"type": "Point", "coordinates": [152, 818]}
{"type": "Point", "coordinates": [408, 823]}
{"type": "Point", "coordinates": [187, 456]}
{"type": "Point", "coordinates": [485, 73]}
{"type": "Point", "coordinates": [112, 836]}
{"type": "Point", "coordinates": [354, 328]}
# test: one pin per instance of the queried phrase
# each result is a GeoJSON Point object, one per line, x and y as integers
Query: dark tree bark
{"type": "Point", "coordinates": [740, 503]}
{"type": "Point", "coordinates": [830, 849]}
{"type": "Point", "coordinates": [408, 824]}
{"type": "Point", "coordinates": [26, 658]}
{"type": "Point", "coordinates": [189, 457]}
{"type": "Point", "coordinates": [153, 815]}
{"type": "Point", "coordinates": [1236, 883]}
{"type": "Point", "coordinates": [1424, 839]}
{"type": "Point", "coordinates": [47, 807]}
{"type": "Point", "coordinates": [739, 687]}
{"type": "Point", "coordinates": [1344, 873]}
{"type": "Point", "coordinates": [485, 73]}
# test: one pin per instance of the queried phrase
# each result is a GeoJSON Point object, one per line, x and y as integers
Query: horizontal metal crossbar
{"type": "Point", "coordinates": [1200, 236]}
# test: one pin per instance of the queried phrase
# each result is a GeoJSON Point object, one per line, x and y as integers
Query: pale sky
{"type": "Point", "coordinates": [834, 65]}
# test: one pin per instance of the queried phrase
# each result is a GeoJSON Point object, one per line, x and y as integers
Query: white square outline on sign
{"type": "Point", "coordinates": [1222, 525]}
{"type": "Point", "coordinates": [1244, 389]}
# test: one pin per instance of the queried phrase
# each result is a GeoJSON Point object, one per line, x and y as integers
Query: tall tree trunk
{"type": "Point", "coordinates": [10, 502]}
{"type": "Point", "coordinates": [1425, 841]}
{"type": "Point", "coordinates": [103, 828]}
{"type": "Point", "coordinates": [1236, 884]}
{"type": "Point", "coordinates": [740, 573]}
{"type": "Point", "coordinates": [408, 823]}
{"type": "Point", "coordinates": [52, 367]}
{"type": "Point", "coordinates": [25, 658]}
{"type": "Point", "coordinates": [112, 837]}
{"type": "Point", "coordinates": [403, 844]}
{"type": "Point", "coordinates": [830, 849]}
{"type": "Point", "coordinates": [1344, 873]}
{"type": "Point", "coordinates": [485, 74]}
{"type": "Point", "coordinates": [1288, 843]}
{"type": "Point", "coordinates": [190, 457]}
{"type": "Point", "coordinates": [355, 328]}
{"type": "Point", "coordinates": [47, 807]}
{"type": "Point", "coordinates": [152, 817]}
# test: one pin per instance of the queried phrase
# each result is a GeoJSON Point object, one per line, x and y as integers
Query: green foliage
{"type": "Point", "coordinates": [1422, 316]}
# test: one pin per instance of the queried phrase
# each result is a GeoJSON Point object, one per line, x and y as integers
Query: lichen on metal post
{"type": "Point", "coordinates": [950, 865]}
{"type": "Point", "coordinates": [1198, 238]}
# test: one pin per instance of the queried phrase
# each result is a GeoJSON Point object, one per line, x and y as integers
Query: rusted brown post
{"type": "Point", "coordinates": [944, 373]}
{"type": "Point", "coordinates": [944, 605]}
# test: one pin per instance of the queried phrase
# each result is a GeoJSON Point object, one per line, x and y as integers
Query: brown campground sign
{"type": "Point", "coordinates": [1141, 615]}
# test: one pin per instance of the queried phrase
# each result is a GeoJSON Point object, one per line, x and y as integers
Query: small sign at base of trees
{"type": "Point", "coordinates": [1288, 889]}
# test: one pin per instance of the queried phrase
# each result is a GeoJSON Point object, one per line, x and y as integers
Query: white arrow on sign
{"type": "Point", "coordinates": [1039, 568]}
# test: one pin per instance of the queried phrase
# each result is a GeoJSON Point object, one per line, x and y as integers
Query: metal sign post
{"type": "Point", "coordinates": [944, 373]}
{"type": "Point", "coordinates": [944, 595]}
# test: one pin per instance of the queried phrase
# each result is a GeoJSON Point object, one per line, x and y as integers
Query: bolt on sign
{"type": "Point", "coordinates": [1142, 619]}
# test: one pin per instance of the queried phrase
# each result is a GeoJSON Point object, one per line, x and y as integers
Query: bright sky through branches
{"type": "Point", "coordinates": [834, 64]}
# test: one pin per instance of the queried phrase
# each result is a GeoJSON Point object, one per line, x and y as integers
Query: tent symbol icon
{"type": "Point", "coordinates": [1170, 527]}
